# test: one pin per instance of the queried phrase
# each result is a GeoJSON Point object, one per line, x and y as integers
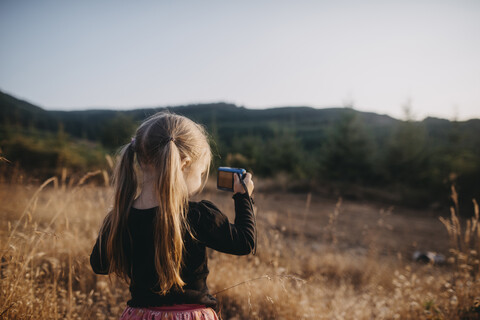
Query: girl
{"type": "Point", "coordinates": [156, 239]}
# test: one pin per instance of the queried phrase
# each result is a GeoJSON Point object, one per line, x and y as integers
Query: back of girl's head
{"type": "Point", "coordinates": [162, 143]}
{"type": "Point", "coordinates": [163, 131]}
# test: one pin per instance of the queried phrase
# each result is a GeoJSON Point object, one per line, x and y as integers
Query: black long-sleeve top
{"type": "Point", "coordinates": [210, 227]}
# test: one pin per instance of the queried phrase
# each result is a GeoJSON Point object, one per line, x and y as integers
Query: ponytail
{"type": "Point", "coordinates": [115, 224]}
{"type": "Point", "coordinates": [170, 223]}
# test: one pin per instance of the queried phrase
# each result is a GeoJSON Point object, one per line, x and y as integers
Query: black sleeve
{"type": "Point", "coordinates": [98, 257]}
{"type": "Point", "coordinates": [212, 227]}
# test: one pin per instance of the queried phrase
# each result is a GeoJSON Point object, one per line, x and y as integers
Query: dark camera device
{"type": "Point", "coordinates": [225, 177]}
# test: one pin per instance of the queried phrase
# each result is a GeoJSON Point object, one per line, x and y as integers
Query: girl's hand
{"type": "Point", "coordinates": [238, 187]}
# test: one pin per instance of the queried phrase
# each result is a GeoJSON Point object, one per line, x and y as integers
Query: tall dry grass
{"type": "Point", "coordinates": [47, 232]}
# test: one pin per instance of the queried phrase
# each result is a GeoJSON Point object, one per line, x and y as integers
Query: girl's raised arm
{"type": "Point", "coordinates": [213, 228]}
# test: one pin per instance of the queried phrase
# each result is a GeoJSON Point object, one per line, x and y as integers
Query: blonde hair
{"type": "Point", "coordinates": [162, 141]}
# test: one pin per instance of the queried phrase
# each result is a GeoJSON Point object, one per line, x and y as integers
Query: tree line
{"type": "Point", "coordinates": [338, 151]}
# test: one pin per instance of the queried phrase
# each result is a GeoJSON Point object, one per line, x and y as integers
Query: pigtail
{"type": "Point", "coordinates": [170, 219]}
{"type": "Point", "coordinates": [125, 187]}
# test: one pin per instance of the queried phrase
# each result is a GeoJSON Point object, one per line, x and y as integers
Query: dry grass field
{"type": "Point", "coordinates": [317, 258]}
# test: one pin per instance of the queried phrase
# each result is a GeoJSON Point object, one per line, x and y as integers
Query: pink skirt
{"type": "Point", "coordinates": [176, 312]}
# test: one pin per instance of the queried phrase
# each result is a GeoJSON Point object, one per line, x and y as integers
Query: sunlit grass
{"type": "Point", "coordinates": [47, 232]}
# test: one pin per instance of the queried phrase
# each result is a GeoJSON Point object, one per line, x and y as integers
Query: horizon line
{"type": "Point", "coordinates": [187, 104]}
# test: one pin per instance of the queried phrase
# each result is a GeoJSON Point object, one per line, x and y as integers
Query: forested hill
{"type": "Point", "coordinates": [226, 120]}
{"type": "Point", "coordinates": [413, 160]}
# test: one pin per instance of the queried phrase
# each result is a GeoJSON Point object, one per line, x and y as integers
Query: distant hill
{"type": "Point", "coordinates": [227, 119]}
{"type": "Point", "coordinates": [17, 112]}
{"type": "Point", "coordinates": [342, 148]}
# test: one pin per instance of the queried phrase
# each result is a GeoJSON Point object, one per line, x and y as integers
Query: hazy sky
{"type": "Point", "coordinates": [377, 55]}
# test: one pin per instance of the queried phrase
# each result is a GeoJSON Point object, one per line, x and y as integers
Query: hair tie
{"type": "Point", "coordinates": [171, 139]}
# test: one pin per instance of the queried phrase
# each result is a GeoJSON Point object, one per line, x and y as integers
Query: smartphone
{"type": "Point", "coordinates": [225, 177]}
